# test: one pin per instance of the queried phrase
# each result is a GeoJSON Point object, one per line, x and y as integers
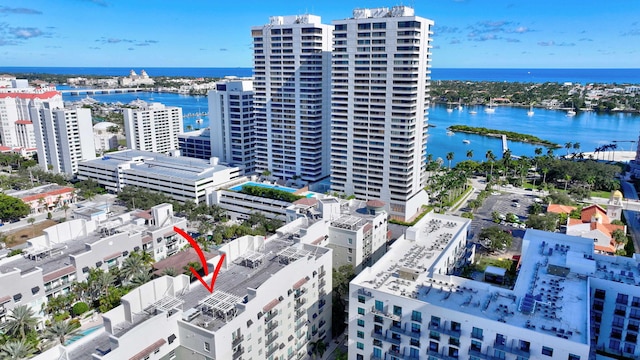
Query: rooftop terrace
{"type": "Point", "coordinates": [550, 294]}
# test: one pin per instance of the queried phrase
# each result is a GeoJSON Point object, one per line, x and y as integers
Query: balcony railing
{"type": "Point", "coordinates": [299, 303]}
{"type": "Point", "coordinates": [299, 293]}
{"type": "Point", "coordinates": [271, 327]}
{"type": "Point", "coordinates": [237, 341]}
{"type": "Point", "coordinates": [477, 353]}
{"type": "Point", "coordinates": [271, 351]}
{"type": "Point", "coordinates": [384, 312]}
{"type": "Point", "coordinates": [238, 353]}
{"type": "Point", "coordinates": [270, 316]}
{"type": "Point", "coordinates": [270, 340]}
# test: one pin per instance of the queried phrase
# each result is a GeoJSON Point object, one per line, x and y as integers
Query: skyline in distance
{"type": "Point", "coordinates": [467, 33]}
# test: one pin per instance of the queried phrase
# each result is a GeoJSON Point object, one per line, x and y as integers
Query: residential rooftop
{"type": "Point", "coordinates": [550, 294]}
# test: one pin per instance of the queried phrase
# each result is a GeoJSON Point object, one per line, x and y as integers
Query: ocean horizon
{"type": "Point", "coordinates": [533, 75]}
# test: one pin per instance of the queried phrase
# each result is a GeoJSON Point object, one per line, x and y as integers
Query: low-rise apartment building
{"type": "Point", "coordinates": [67, 251]}
{"type": "Point", "coordinates": [271, 300]}
{"type": "Point", "coordinates": [566, 302]}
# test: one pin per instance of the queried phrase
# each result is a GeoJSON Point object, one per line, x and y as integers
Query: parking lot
{"type": "Point", "coordinates": [503, 203]}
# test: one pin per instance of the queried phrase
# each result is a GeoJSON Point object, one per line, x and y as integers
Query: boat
{"type": "Point", "coordinates": [465, 141]}
{"type": "Point", "coordinates": [459, 104]}
{"type": "Point", "coordinates": [530, 112]}
{"type": "Point", "coordinates": [490, 109]}
{"type": "Point", "coordinates": [571, 111]}
{"type": "Point", "coordinates": [449, 109]}
{"type": "Point", "coordinates": [474, 111]}
{"type": "Point", "coordinates": [199, 121]}
{"type": "Point", "coordinates": [450, 133]}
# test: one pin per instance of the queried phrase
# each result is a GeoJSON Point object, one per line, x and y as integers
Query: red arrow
{"type": "Point", "coordinates": [196, 246]}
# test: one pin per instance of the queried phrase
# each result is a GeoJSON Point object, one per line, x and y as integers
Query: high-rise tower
{"type": "Point", "coordinates": [380, 99]}
{"type": "Point", "coordinates": [291, 97]}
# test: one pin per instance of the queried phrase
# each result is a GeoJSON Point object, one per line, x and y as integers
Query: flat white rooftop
{"type": "Point", "coordinates": [550, 295]}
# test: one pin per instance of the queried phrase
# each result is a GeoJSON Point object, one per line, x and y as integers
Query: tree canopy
{"type": "Point", "coordinates": [496, 238]}
{"type": "Point", "coordinates": [12, 208]}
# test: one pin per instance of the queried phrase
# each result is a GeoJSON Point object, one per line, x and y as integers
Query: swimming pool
{"type": "Point", "coordinates": [268, 186]}
{"type": "Point", "coordinates": [82, 333]}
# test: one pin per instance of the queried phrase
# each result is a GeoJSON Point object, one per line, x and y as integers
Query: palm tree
{"type": "Point", "coordinates": [576, 147]}
{"type": "Point", "coordinates": [132, 266]}
{"type": "Point", "coordinates": [544, 177]}
{"type": "Point", "coordinates": [60, 330]}
{"type": "Point", "coordinates": [20, 321]}
{"type": "Point", "coordinates": [31, 221]}
{"type": "Point", "coordinates": [319, 347]}
{"type": "Point", "coordinates": [170, 271]}
{"type": "Point", "coordinates": [140, 279]}
{"type": "Point", "coordinates": [550, 152]}
{"type": "Point", "coordinates": [538, 151]}
{"type": "Point", "coordinates": [65, 207]}
{"type": "Point", "coordinates": [568, 146]}
{"type": "Point", "coordinates": [16, 350]}
{"type": "Point", "coordinates": [567, 179]}
{"type": "Point", "coordinates": [469, 154]}
{"type": "Point", "coordinates": [489, 155]}
{"type": "Point", "coordinates": [449, 158]}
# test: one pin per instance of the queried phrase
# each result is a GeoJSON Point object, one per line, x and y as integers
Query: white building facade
{"type": "Point", "coordinates": [380, 99]}
{"type": "Point", "coordinates": [64, 137]}
{"type": "Point", "coordinates": [231, 117]}
{"type": "Point", "coordinates": [564, 302]}
{"type": "Point", "coordinates": [153, 127]}
{"type": "Point", "coordinates": [16, 128]}
{"type": "Point", "coordinates": [291, 97]}
{"type": "Point", "coordinates": [181, 178]}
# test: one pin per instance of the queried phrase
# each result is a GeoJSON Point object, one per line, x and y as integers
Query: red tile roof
{"type": "Point", "coordinates": [560, 209]}
{"type": "Point", "coordinates": [375, 203]}
{"type": "Point", "coordinates": [306, 201]}
{"type": "Point", "coordinates": [588, 212]}
{"type": "Point", "coordinates": [148, 350]}
{"type": "Point", "coordinates": [5, 299]}
{"type": "Point", "coordinates": [55, 192]}
{"type": "Point", "coordinates": [24, 122]}
{"type": "Point", "coordinates": [147, 239]}
{"type": "Point", "coordinates": [45, 95]}
{"type": "Point", "coordinates": [59, 273]}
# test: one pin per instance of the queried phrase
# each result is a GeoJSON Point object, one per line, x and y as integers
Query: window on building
{"type": "Point", "coordinates": [360, 334]}
{"type": "Point", "coordinates": [416, 316]}
{"type": "Point", "coordinates": [500, 339]}
{"type": "Point", "coordinates": [378, 319]}
{"type": "Point", "coordinates": [360, 345]}
{"type": "Point", "coordinates": [547, 351]}
{"type": "Point", "coordinates": [476, 346]}
{"type": "Point", "coordinates": [361, 322]}
{"type": "Point", "coordinates": [360, 311]}
{"type": "Point", "coordinates": [350, 241]}
{"type": "Point", "coordinates": [433, 346]}
{"type": "Point", "coordinates": [524, 345]}
{"type": "Point", "coordinates": [379, 305]}
{"type": "Point", "coordinates": [361, 299]}
{"type": "Point", "coordinates": [415, 328]}
{"type": "Point", "coordinates": [476, 333]}
{"type": "Point", "coordinates": [573, 357]}
{"type": "Point", "coordinates": [397, 310]}
{"type": "Point", "coordinates": [207, 347]}
{"type": "Point", "coordinates": [614, 344]}
{"type": "Point", "coordinates": [622, 299]}
{"type": "Point", "coordinates": [629, 348]}
{"type": "Point", "coordinates": [435, 322]}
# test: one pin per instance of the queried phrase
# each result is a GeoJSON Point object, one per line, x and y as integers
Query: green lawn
{"type": "Point", "coordinates": [501, 263]}
{"type": "Point", "coordinates": [601, 194]}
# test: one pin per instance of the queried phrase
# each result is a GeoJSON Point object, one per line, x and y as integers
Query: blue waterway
{"type": "Point", "coordinates": [588, 128]}
{"type": "Point", "coordinates": [583, 76]}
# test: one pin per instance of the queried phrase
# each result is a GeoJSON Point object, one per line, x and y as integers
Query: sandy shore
{"type": "Point", "coordinates": [623, 156]}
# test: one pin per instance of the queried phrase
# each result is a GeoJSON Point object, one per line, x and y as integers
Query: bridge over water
{"type": "Point", "coordinates": [101, 91]}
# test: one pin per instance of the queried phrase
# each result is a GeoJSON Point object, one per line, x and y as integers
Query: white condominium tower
{"type": "Point", "coordinates": [232, 118]}
{"type": "Point", "coordinates": [380, 102]}
{"type": "Point", "coordinates": [292, 84]}
{"type": "Point", "coordinates": [153, 127]}
{"type": "Point", "coordinates": [64, 137]}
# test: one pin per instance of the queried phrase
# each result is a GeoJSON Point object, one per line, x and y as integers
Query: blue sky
{"type": "Point", "coordinates": [210, 33]}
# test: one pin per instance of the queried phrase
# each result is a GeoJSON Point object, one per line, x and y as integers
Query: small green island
{"type": "Point", "coordinates": [513, 136]}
